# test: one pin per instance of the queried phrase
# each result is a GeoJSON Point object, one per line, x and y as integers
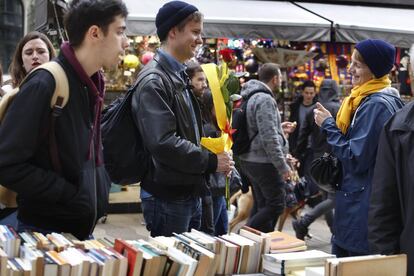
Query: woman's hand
{"type": "Point", "coordinates": [320, 114]}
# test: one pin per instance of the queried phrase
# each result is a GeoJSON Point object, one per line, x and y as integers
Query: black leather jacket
{"type": "Point", "coordinates": [178, 163]}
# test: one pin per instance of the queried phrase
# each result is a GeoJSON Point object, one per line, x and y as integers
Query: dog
{"type": "Point", "coordinates": [244, 204]}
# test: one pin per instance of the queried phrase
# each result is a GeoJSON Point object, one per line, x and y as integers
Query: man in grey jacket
{"type": "Point", "coordinates": [265, 163]}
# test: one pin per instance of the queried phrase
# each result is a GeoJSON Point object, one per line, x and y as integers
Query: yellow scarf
{"type": "Point", "coordinates": [358, 93]}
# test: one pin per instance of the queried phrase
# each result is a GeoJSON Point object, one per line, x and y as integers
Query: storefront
{"type": "Point", "coordinates": [280, 30]}
{"type": "Point", "coordinates": [11, 29]}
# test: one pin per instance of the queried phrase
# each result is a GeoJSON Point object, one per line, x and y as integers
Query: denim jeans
{"type": "Point", "coordinates": [175, 216]}
{"type": "Point", "coordinates": [21, 227]}
{"type": "Point", "coordinates": [221, 220]}
{"type": "Point", "coordinates": [10, 219]}
{"type": "Point", "coordinates": [268, 193]}
{"type": "Point", "coordinates": [147, 206]}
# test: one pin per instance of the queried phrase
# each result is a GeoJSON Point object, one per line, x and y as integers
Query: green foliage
{"type": "Point", "coordinates": [230, 86]}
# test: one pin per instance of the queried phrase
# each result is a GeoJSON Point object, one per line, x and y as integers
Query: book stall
{"type": "Point", "coordinates": [191, 253]}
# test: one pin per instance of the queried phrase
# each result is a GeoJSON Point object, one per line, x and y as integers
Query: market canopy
{"type": "Point", "coordinates": [284, 20]}
{"type": "Point", "coordinates": [355, 23]}
{"type": "Point", "coordinates": [238, 19]}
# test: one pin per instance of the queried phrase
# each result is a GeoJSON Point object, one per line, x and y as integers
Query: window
{"type": "Point", "coordinates": [11, 29]}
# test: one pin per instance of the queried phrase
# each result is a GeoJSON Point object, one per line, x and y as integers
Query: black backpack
{"type": "Point", "coordinates": [241, 141]}
{"type": "Point", "coordinates": [126, 159]}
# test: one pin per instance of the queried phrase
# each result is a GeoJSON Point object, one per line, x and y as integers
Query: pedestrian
{"type": "Point", "coordinates": [198, 79]}
{"type": "Point", "coordinates": [265, 164]}
{"type": "Point", "coordinates": [73, 196]}
{"type": "Point", "coordinates": [390, 223]}
{"type": "Point", "coordinates": [215, 203]}
{"type": "Point", "coordinates": [32, 50]}
{"type": "Point", "coordinates": [329, 97]}
{"type": "Point", "coordinates": [168, 118]}
{"type": "Point", "coordinates": [298, 110]}
{"type": "Point", "coordinates": [354, 139]}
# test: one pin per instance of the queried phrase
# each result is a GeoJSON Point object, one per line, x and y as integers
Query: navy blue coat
{"type": "Point", "coordinates": [357, 150]}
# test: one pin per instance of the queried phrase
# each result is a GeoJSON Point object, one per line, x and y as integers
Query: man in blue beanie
{"type": "Point", "coordinates": [168, 117]}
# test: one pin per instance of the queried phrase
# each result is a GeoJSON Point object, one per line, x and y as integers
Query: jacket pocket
{"type": "Point", "coordinates": [350, 208]}
{"type": "Point", "coordinates": [167, 176]}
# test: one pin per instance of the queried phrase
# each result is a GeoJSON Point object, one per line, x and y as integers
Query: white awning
{"type": "Point", "coordinates": [238, 19]}
{"type": "Point", "coordinates": [284, 20]}
{"type": "Point", "coordinates": [356, 23]}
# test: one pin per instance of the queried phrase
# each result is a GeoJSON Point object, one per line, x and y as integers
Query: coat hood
{"type": "Point", "coordinates": [328, 91]}
{"type": "Point", "coordinates": [252, 86]}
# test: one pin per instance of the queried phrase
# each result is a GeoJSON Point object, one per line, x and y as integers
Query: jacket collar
{"type": "Point", "coordinates": [174, 64]}
{"type": "Point", "coordinates": [403, 119]}
{"type": "Point", "coordinates": [165, 64]}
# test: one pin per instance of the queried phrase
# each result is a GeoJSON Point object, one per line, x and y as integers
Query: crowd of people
{"type": "Point", "coordinates": [172, 107]}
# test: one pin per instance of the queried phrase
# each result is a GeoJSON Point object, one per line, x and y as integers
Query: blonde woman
{"type": "Point", "coordinates": [354, 139]}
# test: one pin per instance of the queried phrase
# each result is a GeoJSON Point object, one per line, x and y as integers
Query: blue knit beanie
{"type": "Point", "coordinates": [378, 54]}
{"type": "Point", "coordinates": [170, 15]}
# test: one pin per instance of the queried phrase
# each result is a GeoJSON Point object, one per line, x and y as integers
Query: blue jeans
{"type": "Point", "coordinates": [221, 220]}
{"type": "Point", "coordinates": [175, 216]}
{"type": "Point", "coordinates": [10, 219]}
{"type": "Point", "coordinates": [147, 206]}
{"type": "Point", "coordinates": [21, 227]}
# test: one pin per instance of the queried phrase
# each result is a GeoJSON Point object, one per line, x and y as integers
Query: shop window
{"type": "Point", "coordinates": [11, 29]}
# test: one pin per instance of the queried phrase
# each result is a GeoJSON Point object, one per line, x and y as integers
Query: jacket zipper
{"type": "Point", "coordinates": [93, 166]}
{"type": "Point", "coordinates": [95, 213]}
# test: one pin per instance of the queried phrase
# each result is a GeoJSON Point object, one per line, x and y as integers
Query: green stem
{"type": "Point", "coordinates": [227, 193]}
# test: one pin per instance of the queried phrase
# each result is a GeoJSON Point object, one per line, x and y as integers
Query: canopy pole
{"type": "Point", "coordinates": [333, 33]}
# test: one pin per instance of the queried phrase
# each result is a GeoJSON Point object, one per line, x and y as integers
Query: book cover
{"type": "Point", "coordinates": [134, 256]}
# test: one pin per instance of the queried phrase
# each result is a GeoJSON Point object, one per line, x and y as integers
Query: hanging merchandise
{"type": "Point", "coordinates": [147, 57]}
{"type": "Point", "coordinates": [332, 63]}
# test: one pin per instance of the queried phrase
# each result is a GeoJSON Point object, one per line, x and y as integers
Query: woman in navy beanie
{"type": "Point", "coordinates": [354, 137]}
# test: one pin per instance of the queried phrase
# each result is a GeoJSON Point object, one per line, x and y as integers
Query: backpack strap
{"type": "Point", "coordinates": [60, 96]}
{"type": "Point", "coordinates": [58, 101]}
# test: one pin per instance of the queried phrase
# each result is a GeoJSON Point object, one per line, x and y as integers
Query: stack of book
{"type": "Point", "coordinates": [287, 263]}
{"type": "Point", "coordinates": [186, 254]}
{"type": "Point", "coordinates": [61, 255]}
{"type": "Point", "coordinates": [9, 240]}
{"type": "Point", "coordinates": [377, 265]}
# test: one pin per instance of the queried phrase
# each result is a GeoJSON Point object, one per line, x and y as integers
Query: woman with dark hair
{"type": "Point", "coordinates": [32, 50]}
{"type": "Point", "coordinates": [216, 181]}
{"type": "Point", "coordinates": [354, 137]}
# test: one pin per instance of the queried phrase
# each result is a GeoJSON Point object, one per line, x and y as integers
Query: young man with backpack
{"type": "Point", "coordinates": [265, 163]}
{"type": "Point", "coordinates": [168, 118]}
{"type": "Point", "coordinates": [53, 161]}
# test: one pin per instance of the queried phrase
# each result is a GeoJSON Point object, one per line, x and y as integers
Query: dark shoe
{"type": "Point", "coordinates": [301, 230]}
